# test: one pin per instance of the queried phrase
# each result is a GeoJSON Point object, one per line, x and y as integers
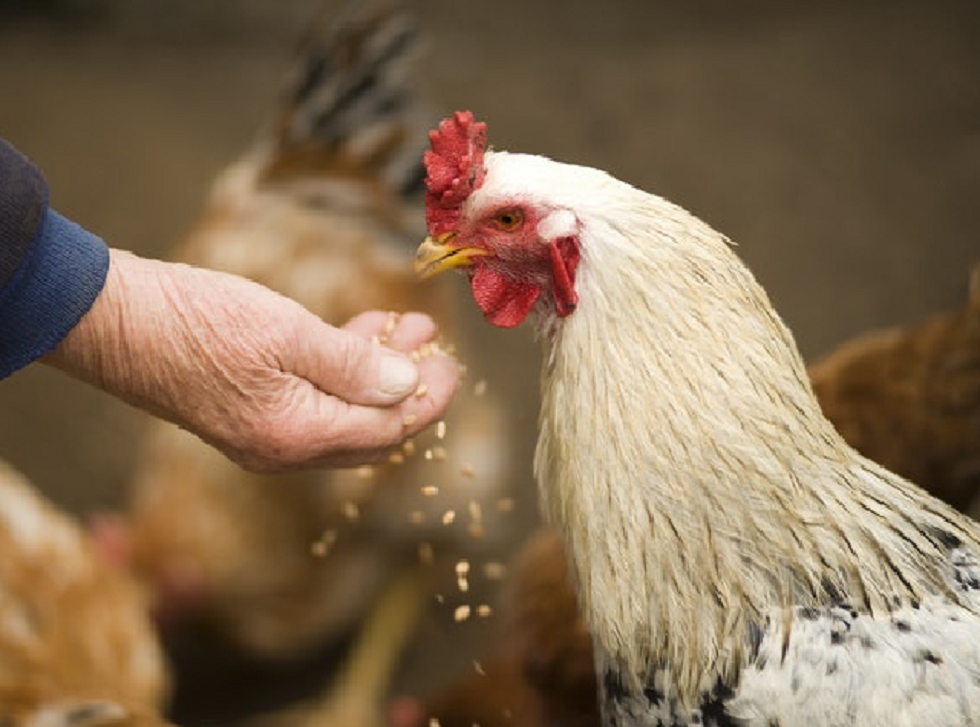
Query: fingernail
{"type": "Point", "coordinates": [399, 376]}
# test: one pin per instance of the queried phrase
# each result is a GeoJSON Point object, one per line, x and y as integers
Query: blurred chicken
{"type": "Point", "coordinates": [907, 397]}
{"type": "Point", "coordinates": [324, 210]}
{"type": "Point", "coordinates": [76, 644]}
{"type": "Point", "coordinates": [357, 694]}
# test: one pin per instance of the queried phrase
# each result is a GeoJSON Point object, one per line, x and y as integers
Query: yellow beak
{"type": "Point", "coordinates": [436, 255]}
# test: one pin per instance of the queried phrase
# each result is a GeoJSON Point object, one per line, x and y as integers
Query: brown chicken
{"type": "Point", "coordinates": [324, 210]}
{"type": "Point", "coordinates": [76, 643]}
{"type": "Point", "coordinates": [909, 398]}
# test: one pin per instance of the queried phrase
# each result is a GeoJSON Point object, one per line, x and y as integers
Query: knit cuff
{"type": "Point", "coordinates": [23, 202]}
{"type": "Point", "coordinates": [56, 283]}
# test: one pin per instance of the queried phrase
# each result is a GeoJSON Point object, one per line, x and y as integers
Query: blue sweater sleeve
{"type": "Point", "coordinates": [51, 270]}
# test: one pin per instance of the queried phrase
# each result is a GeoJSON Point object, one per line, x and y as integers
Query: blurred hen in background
{"type": "Point", "coordinates": [909, 398]}
{"type": "Point", "coordinates": [76, 644]}
{"type": "Point", "coordinates": [325, 209]}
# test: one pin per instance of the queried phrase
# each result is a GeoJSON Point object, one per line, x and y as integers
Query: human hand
{"type": "Point", "coordinates": [253, 373]}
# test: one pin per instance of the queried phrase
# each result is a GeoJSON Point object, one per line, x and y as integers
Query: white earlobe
{"type": "Point", "coordinates": [560, 223]}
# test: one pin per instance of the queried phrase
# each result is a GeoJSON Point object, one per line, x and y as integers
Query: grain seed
{"type": "Point", "coordinates": [461, 613]}
{"type": "Point", "coordinates": [505, 504]}
{"type": "Point", "coordinates": [494, 570]}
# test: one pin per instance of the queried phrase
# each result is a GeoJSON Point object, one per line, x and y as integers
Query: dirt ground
{"type": "Point", "coordinates": [838, 143]}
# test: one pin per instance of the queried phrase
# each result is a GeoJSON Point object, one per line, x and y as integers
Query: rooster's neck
{"type": "Point", "coordinates": [684, 458]}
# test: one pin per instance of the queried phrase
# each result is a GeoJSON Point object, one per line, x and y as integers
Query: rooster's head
{"type": "Point", "coordinates": [518, 247]}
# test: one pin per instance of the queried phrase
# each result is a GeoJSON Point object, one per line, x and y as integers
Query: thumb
{"type": "Point", "coordinates": [353, 368]}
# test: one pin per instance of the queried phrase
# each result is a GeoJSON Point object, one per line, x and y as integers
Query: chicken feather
{"type": "Point", "coordinates": [905, 397]}
{"type": "Point", "coordinates": [736, 561]}
{"type": "Point", "coordinates": [77, 647]}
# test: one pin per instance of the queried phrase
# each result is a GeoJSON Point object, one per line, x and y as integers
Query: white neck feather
{"type": "Point", "coordinates": [685, 460]}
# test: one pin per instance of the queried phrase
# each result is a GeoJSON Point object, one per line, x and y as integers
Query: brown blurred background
{"type": "Point", "coordinates": [837, 142]}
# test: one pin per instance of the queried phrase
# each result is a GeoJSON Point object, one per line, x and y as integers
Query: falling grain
{"type": "Point", "coordinates": [416, 517]}
{"type": "Point", "coordinates": [449, 517]}
{"type": "Point", "coordinates": [480, 388]}
{"type": "Point", "coordinates": [478, 667]}
{"type": "Point", "coordinates": [441, 430]}
{"type": "Point", "coordinates": [430, 490]}
{"type": "Point", "coordinates": [365, 472]}
{"type": "Point", "coordinates": [462, 571]}
{"type": "Point", "coordinates": [467, 470]}
{"type": "Point", "coordinates": [409, 420]}
{"type": "Point", "coordinates": [483, 610]}
{"type": "Point", "coordinates": [409, 447]}
{"type": "Point", "coordinates": [461, 613]}
{"type": "Point", "coordinates": [350, 510]}
{"type": "Point", "coordinates": [421, 391]}
{"type": "Point", "coordinates": [426, 554]}
{"type": "Point", "coordinates": [505, 504]}
{"type": "Point", "coordinates": [396, 458]}
{"type": "Point", "coordinates": [321, 547]}
{"type": "Point", "coordinates": [494, 570]}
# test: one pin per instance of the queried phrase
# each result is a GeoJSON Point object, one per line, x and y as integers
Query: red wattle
{"type": "Point", "coordinates": [505, 303]}
{"type": "Point", "coordinates": [564, 260]}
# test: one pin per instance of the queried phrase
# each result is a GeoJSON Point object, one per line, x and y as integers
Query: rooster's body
{"type": "Point", "coordinates": [908, 398]}
{"type": "Point", "coordinates": [736, 561]}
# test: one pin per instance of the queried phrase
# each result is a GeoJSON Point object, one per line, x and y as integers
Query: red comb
{"type": "Point", "coordinates": [454, 168]}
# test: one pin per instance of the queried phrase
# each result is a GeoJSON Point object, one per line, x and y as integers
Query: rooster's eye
{"type": "Point", "coordinates": [509, 220]}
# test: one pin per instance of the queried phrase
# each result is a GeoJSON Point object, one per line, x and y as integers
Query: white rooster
{"type": "Point", "coordinates": [737, 562]}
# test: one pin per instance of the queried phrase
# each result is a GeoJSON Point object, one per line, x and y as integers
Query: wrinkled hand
{"type": "Point", "coordinates": [252, 372]}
